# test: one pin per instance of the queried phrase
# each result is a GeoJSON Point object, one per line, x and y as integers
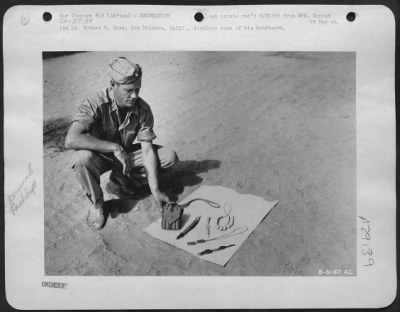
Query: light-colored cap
{"type": "Point", "coordinates": [123, 71]}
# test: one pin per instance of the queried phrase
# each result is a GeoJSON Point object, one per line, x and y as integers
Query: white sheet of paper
{"type": "Point", "coordinates": [248, 211]}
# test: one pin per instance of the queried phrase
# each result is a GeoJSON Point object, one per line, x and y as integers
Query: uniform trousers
{"type": "Point", "coordinates": [88, 166]}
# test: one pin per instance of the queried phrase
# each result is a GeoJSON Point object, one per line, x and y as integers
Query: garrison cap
{"type": "Point", "coordinates": [123, 71]}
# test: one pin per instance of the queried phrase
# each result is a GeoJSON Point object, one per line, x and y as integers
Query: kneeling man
{"type": "Point", "coordinates": [102, 133]}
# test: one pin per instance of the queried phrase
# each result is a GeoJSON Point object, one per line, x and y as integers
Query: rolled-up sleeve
{"type": "Point", "coordinates": [85, 113]}
{"type": "Point", "coordinates": [146, 132]}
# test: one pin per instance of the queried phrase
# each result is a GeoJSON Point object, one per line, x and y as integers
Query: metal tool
{"type": "Point", "coordinates": [208, 226]}
{"type": "Point", "coordinates": [209, 251]}
{"type": "Point", "coordinates": [234, 232]}
{"type": "Point", "coordinates": [189, 228]}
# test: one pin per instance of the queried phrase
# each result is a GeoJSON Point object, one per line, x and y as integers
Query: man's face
{"type": "Point", "coordinates": [126, 95]}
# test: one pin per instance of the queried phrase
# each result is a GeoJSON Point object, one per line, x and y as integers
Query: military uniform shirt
{"type": "Point", "coordinates": [99, 114]}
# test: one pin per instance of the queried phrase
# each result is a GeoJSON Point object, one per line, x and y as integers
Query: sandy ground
{"type": "Point", "coordinates": [276, 125]}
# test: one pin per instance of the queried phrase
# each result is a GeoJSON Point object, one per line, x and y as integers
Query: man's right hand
{"type": "Point", "coordinates": [122, 157]}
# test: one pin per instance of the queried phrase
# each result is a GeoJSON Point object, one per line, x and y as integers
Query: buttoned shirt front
{"type": "Point", "coordinates": [100, 115]}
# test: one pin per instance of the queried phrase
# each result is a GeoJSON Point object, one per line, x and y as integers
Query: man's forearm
{"type": "Point", "coordinates": [88, 142]}
{"type": "Point", "coordinates": [150, 163]}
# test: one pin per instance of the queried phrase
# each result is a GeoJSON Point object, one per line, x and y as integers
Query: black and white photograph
{"type": "Point", "coordinates": [245, 155]}
{"type": "Point", "coordinates": [266, 142]}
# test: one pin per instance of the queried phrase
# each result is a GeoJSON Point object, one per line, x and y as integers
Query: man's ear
{"type": "Point", "coordinates": [112, 82]}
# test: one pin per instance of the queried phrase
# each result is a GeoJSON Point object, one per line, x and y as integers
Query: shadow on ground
{"type": "Point", "coordinates": [173, 182]}
{"type": "Point", "coordinates": [52, 54]}
{"type": "Point", "coordinates": [185, 173]}
{"type": "Point", "coordinates": [54, 132]}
